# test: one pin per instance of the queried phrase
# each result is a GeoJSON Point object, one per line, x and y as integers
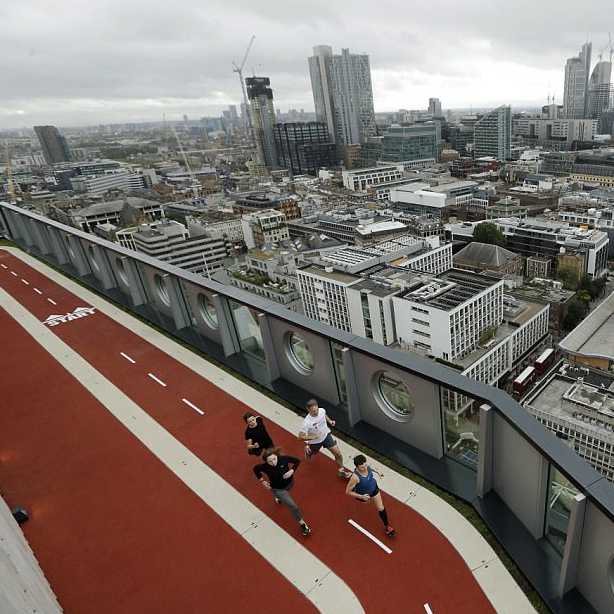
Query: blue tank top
{"type": "Point", "coordinates": [366, 483]}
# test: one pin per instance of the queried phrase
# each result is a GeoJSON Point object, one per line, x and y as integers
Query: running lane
{"type": "Point", "coordinates": [113, 529]}
{"type": "Point", "coordinates": [423, 567]}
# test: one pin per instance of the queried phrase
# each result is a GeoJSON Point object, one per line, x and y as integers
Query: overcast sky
{"type": "Point", "coordinates": [76, 62]}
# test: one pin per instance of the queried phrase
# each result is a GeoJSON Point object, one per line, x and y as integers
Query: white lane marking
{"type": "Point", "coordinates": [13, 273]}
{"type": "Point", "coordinates": [153, 377]}
{"type": "Point", "coordinates": [4, 266]}
{"type": "Point", "coordinates": [128, 358]}
{"type": "Point", "coordinates": [52, 301]}
{"type": "Point", "coordinates": [428, 609]}
{"type": "Point", "coordinates": [200, 411]}
{"type": "Point", "coordinates": [25, 282]}
{"type": "Point", "coordinates": [37, 291]}
{"type": "Point", "coordinates": [383, 546]}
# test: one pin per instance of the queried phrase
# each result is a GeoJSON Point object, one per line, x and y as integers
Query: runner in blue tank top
{"type": "Point", "coordinates": [362, 486]}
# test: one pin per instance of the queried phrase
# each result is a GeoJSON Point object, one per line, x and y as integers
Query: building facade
{"type": "Point", "coordinates": [410, 143]}
{"type": "Point", "coordinates": [262, 111]}
{"type": "Point", "coordinates": [304, 148]}
{"type": "Point", "coordinates": [360, 180]}
{"type": "Point", "coordinates": [54, 145]}
{"type": "Point", "coordinates": [264, 228]}
{"type": "Point", "coordinates": [493, 134]}
{"type": "Point", "coordinates": [575, 94]}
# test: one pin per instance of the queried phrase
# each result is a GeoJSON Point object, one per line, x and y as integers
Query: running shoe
{"type": "Point", "coordinates": [277, 500]}
{"type": "Point", "coordinates": [305, 530]}
{"type": "Point", "coordinates": [344, 473]}
{"type": "Point", "coordinates": [390, 532]}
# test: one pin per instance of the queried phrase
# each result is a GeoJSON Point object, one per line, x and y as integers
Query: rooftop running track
{"type": "Point", "coordinates": [142, 498]}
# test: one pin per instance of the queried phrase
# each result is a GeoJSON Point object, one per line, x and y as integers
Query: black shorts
{"type": "Point", "coordinates": [329, 442]}
{"type": "Point", "coordinates": [373, 494]}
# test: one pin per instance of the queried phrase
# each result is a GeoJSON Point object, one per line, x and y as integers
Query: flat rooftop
{"type": "Point", "coordinates": [334, 275]}
{"type": "Point", "coordinates": [594, 336]}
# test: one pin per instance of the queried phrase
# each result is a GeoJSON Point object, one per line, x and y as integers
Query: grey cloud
{"type": "Point", "coordinates": [67, 60]}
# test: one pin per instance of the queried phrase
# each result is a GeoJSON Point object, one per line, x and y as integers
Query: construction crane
{"type": "Point", "coordinates": [194, 184]}
{"type": "Point", "coordinates": [239, 71]}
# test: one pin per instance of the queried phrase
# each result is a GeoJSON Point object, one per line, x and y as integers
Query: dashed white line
{"type": "Point", "coordinates": [200, 411]}
{"type": "Point", "coordinates": [128, 358]}
{"type": "Point", "coordinates": [15, 274]}
{"type": "Point", "coordinates": [4, 266]}
{"type": "Point", "coordinates": [37, 291]}
{"type": "Point", "coordinates": [383, 546]}
{"type": "Point", "coordinates": [52, 301]}
{"type": "Point", "coordinates": [153, 377]}
{"type": "Point", "coordinates": [428, 609]}
{"type": "Point", "coordinates": [25, 281]}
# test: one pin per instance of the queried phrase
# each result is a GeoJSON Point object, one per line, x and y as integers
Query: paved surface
{"type": "Point", "coordinates": [130, 533]}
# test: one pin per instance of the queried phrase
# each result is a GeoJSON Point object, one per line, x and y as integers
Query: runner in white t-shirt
{"type": "Point", "coordinates": [316, 434]}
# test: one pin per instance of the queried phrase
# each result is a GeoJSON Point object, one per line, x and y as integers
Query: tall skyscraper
{"type": "Point", "coordinates": [54, 145]}
{"type": "Point", "coordinates": [575, 95]}
{"type": "Point", "coordinates": [600, 91]}
{"type": "Point", "coordinates": [260, 97]}
{"type": "Point", "coordinates": [493, 134]}
{"type": "Point", "coordinates": [435, 107]}
{"type": "Point", "coordinates": [342, 94]}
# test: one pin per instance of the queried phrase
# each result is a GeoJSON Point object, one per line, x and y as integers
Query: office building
{"type": "Point", "coordinates": [54, 145]}
{"type": "Point", "coordinates": [170, 241]}
{"type": "Point", "coordinates": [304, 148]}
{"type": "Point", "coordinates": [563, 245]}
{"type": "Point", "coordinates": [493, 134]}
{"type": "Point", "coordinates": [262, 111]}
{"type": "Point", "coordinates": [97, 185]}
{"type": "Point", "coordinates": [575, 94]}
{"type": "Point", "coordinates": [577, 405]}
{"type": "Point", "coordinates": [435, 107]}
{"type": "Point", "coordinates": [361, 179]}
{"type": "Point", "coordinates": [410, 143]}
{"type": "Point", "coordinates": [600, 90]}
{"type": "Point", "coordinates": [342, 93]}
{"type": "Point", "coordinates": [556, 134]}
{"type": "Point", "coordinates": [266, 227]}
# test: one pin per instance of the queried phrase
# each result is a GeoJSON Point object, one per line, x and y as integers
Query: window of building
{"type": "Point", "coordinates": [394, 396]}
{"type": "Point", "coordinates": [299, 353]}
{"type": "Point", "coordinates": [162, 290]}
{"type": "Point", "coordinates": [561, 493]}
{"type": "Point", "coordinates": [207, 311]}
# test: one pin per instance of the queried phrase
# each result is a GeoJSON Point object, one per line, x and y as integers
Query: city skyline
{"type": "Point", "coordinates": [135, 65]}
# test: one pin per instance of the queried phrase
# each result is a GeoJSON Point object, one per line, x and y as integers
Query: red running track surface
{"type": "Point", "coordinates": [423, 567]}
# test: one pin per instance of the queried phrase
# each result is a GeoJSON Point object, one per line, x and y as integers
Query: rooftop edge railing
{"type": "Point", "coordinates": [551, 510]}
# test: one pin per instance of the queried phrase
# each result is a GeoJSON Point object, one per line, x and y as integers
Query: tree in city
{"type": "Point", "coordinates": [490, 233]}
{"type": "Point", "coordinates": [575, 314]}
{"type": "Point", "coordinates": [569, 276]}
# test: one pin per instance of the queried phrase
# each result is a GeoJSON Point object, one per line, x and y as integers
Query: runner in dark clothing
{"type": "Point", "coordinates": [363, 487]}
{"type": "Point", "coordinates": [279, 471]}
{"type": "Point", "coordinates": [256, 435]}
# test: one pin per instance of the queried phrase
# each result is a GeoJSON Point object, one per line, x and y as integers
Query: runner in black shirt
{"type": "Point", "coordinates": [256, 435]}
{"type": "Point", "coordinates": [279, 471]}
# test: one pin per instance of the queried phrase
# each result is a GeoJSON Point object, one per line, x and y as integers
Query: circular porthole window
{"type": "Point", "coordinates": [207, 311]}
{"type": "Point", "coordinates": [299, 353]}
{"type": "Point", "coordinates": [393, 396]}
{"type": "Point", "coordinates": [162, 291]}
{"type": "Point", "coordinates": [92, 255]}
{"type": "Point", "coordinates": [121, 271]}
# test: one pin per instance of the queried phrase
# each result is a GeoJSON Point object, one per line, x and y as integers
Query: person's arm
{"type": "Point", "coordinates": [381, 475]}
{"type": "Point", "coordinates": [251, 444]}
{"type": "Point", "coordinates": [330, 421]}
{"type": "Point", "coordinates": [349, 489]}
{"type": "Point", "coordinates": [303, 434]}
{"type": "Point", "coordinates": [295, 462]}
{"type": "Point", "coordinates": [260, 473]}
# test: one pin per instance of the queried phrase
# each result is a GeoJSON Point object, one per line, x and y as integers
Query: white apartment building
{"type": "Point", "coordinates": [577, 405]}
{"type": "Point", "coordinates": [119, 180]}
{"type": "Point", "coordinates": [230, 229]}
{"type": "Point", "coordinates": [265, 227]}
{"type": "Point", "coordinates": [170, 241]}
{"type": "Point", "coordinates": [361, 179]}
{"type": "Point", "coordinates": [324, 294]}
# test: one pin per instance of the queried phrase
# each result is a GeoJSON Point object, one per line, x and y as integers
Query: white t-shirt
{"type": "Point", "coordinates": [316, 426]}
